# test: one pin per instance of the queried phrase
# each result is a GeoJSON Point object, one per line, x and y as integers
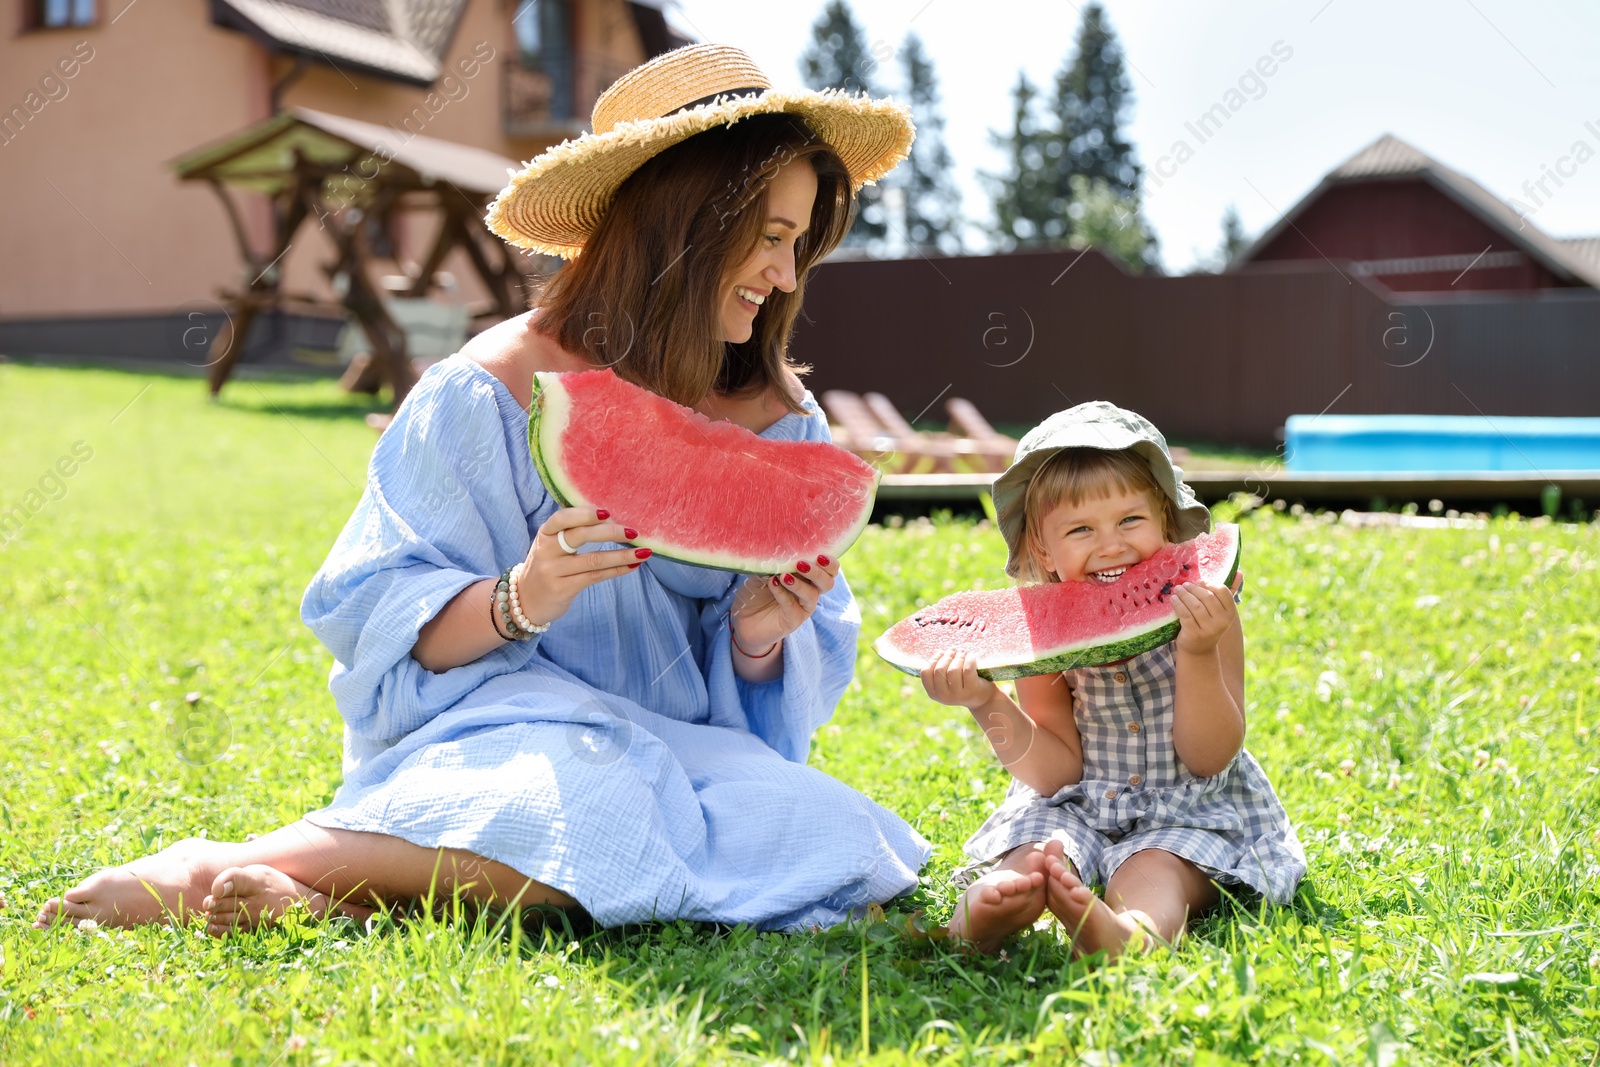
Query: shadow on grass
{"type": "Point", "coordinates": [353, 408]}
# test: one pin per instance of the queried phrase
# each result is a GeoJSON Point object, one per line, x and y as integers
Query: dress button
{"type": "Point", "coordinates": [1121, 676]}
{"type": "Point", "coordinates": [1135, 779]}
{"type": "Point", "coordinates": [1111, 794]}
{"type": "Point", "coordinates": [1133, 727]}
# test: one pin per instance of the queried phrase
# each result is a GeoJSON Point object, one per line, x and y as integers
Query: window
{"type": "Point", "coordinates": [544, 46]}
{"type": "Point", "coordinates": [48, 14]}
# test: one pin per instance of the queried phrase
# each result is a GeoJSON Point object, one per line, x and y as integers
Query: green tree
{"type": "Point", "coordinates": [1106, 217]}
{"type": "Point", "coordinates": [1028, 209]}
{"type": "Point", "coordinates": [838, 57]}
{"type": "Point", "coordinates": [1092, 94]}
{"type": "Point", "coordinates": [932, 203]}
{"type": "Point", "coordinates": [1234, 240]}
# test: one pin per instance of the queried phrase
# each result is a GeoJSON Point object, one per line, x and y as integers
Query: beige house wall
{"type": "Point", "coordinates": [93, 220]}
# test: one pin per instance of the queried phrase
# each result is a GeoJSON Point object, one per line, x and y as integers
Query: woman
{"type": "Point", "coordinates": [590, 726]}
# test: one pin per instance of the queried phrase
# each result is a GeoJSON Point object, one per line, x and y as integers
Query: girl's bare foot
{"type": "Point", "coordinates": [158, 888]}
{"type": "Point", "coordinates": [247, 898]}
{"type": "Point", "coordinates": [999, 904]}
{"type": "Point", "coordinates": [1091, 923]}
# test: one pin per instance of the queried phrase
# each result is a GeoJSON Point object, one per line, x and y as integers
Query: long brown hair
{"type": "Point", "coordinates": [644, 296]}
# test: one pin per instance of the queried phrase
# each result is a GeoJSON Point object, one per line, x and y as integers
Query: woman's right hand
{"type": "Point", "coordinates": [550, 578]}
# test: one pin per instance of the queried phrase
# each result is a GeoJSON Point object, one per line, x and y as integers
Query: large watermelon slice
{"type": "Point", "coordinates": [708, 493]}
{"type": "Point", "coordinates": [1040, 629]}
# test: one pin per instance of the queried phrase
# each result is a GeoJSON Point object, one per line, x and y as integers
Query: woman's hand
{"type": "Point", "coordinates": [953, 679]}
{"type": "Point", "coordinates": [550, 578]}
{"type": "Point", "coordinates": [766, 610]}
{"type": "Point", "coordinates": [1205, 613]}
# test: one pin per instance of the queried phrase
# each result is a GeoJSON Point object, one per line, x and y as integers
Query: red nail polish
{"type": "Point", "coordinates": [803, 567]}
{"type": "Point", "coordinates": [823, 560]}
{"type": "Point", "coordinates": [788, 579]}
{"type": "Point", "coordinates": [774, 579]}
{"type": "Point", "coordinates": [630, 534]}
{"type": "Point", "coordinates": [642, 553]}
{"type": "Point", "coordinates": [634, 566]}
{"type": "Point", "coordinates": [602, 513]}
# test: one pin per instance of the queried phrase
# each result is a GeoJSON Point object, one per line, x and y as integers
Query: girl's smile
{"type": "Point", "coordinates": [1098, 540]}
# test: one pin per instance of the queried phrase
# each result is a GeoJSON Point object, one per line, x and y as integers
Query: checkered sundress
{"type": "Point", "coordinates": [1135, 794]}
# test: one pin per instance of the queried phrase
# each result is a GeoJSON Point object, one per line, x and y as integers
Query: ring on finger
{"type": "Point", "coordinates": [561, 539]}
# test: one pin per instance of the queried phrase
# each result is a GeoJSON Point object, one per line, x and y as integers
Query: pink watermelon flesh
{"type": "Point", "coordinates": [704, 492]}
{"type": "Point", "coordinates": [1041, 629]}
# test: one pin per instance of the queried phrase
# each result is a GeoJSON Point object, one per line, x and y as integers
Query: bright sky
{"type": "Point", "coordinates": [1497, 89]}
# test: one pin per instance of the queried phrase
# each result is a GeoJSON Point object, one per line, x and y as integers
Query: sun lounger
{"type": "Point", "coordinates": [996, 449]}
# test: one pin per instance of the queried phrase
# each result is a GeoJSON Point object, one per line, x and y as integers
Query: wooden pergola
{"type": "Point", "coordinates": [338, 174]}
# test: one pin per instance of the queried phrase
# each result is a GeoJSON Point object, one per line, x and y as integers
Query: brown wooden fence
{"type": "Point", "coordinates": [1222, 358]}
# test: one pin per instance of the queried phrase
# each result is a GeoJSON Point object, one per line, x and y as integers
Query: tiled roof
{"type": "Point", "coordinates": [405, 39]}
{"type": "Point", "coordinates": [1389, 157]}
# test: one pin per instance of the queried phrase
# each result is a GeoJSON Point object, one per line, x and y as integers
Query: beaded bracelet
{"type": "Point", "coordinates": [500, 601]}
{"type": "Point", "coordinates": [516, 608]}
{"type": "Point", "coordinates": [747, 655]}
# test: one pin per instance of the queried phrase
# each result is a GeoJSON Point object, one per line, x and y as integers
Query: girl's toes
{"type": "Point", "coordinates": [228, 882]}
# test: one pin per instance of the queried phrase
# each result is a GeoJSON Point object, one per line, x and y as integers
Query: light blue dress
{"type": "Point", "coordinates": [616, 758]}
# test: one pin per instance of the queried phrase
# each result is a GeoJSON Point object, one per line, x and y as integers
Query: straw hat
{"type": "Point", "coordinates": [554, 204]}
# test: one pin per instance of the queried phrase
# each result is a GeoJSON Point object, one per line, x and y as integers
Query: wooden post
{"type": "Point", "coordinates": [264, 289]}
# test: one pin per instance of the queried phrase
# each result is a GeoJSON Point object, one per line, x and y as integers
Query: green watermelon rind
{"type": "Point", "coordinates": [1123, 646]}
{"type": "Point", "coordinates": [546, 409]}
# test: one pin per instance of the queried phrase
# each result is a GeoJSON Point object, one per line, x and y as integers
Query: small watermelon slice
{"type": "Point", "coordinates": [1041, 629]}
{"type": "Point", "coordinates": [708, 493]}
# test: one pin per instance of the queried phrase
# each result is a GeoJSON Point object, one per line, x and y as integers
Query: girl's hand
{"type": "Point", "coordinates": [550, 578]}
{"type": "Point", "coordinates": [953, 679]}
{"type": "Point", "coordinates": [768, 609]}
{"type": "Point", "coordinates": [1205, 613]}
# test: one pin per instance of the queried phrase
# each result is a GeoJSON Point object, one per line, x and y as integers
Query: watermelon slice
{"type": "Point", "coordinates": [707, 493]}
{"type": "Point", "coordinates": [1041, 629]}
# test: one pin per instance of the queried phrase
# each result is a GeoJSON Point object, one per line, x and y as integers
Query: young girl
{"type": "Point", "coordinates": [1132, 774]}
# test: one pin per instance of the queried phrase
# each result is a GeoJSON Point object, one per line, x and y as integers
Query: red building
{"type": "Point", "coordinates": [1394, 214]}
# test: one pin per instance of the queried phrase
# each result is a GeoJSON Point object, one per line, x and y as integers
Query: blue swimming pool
{"type": "Point", "coordinates": [1428, 443]}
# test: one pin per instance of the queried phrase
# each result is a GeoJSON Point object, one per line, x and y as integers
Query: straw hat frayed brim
{"type": "Point", "coordinates": [556, 202]}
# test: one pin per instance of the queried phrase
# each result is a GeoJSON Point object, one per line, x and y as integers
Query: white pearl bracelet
{"type": "Point", "coordinates": [516, 609]}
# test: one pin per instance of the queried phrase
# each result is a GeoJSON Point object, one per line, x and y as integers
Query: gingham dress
{"type": "Point", "coordinates": [1136, 794]}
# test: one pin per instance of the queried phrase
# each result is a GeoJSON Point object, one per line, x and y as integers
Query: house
{"type": "Point", "coordinates": [1395, 214]}
{"type": "Point", "coordinates": [103, 245]}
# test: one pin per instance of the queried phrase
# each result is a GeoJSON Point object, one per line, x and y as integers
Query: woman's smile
{"type": "Point", "coordinates": [750, 298]}
{"type": "Point", "coordinates": [791, 195]}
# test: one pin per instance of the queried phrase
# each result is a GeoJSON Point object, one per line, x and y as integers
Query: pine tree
{"type": "Point", "coordinates": [932, 203]}
{"type": "Point", "coordinates": [1233, 239]}
{"type": "Point", "coordinates": [1092, 93]}
{"type": "Point", "coordinates": [839, 58]}
{"type": "Point", "coordinates": [1027, 206]}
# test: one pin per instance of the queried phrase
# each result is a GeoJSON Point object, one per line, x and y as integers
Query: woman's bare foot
{"type": "Point", "coordinates": [999, 904]}
{"type": "Point", "coordinates": [247, 898]}
{"type": "Point", "coordinates": [158, 888]}
{"type": "Point", "coordinates": [1091, 923]}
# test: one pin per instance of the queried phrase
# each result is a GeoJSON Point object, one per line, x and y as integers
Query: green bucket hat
{"type": "Point", "coordinates": [1097, 424]}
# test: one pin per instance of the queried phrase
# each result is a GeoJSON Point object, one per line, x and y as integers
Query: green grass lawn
{"type": "Point", "coordinates": [1422, 699]}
